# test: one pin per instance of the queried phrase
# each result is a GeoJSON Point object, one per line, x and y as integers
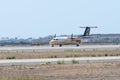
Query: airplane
{"type": "Point", "coordinates": [65, 40]}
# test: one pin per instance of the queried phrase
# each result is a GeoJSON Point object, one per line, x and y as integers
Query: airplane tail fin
{"type": "Point", "coordinates": [87, 30]}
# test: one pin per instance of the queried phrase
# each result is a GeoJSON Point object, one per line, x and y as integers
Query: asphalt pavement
{"type": "Point", "coordinates": [58, 60]}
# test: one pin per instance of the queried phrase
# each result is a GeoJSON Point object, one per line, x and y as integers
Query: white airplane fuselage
{"type": "Point", "coordinates": [64, 41]}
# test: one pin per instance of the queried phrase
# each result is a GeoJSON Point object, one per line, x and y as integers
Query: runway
{"type": "Point", "coordinates": [56, 48]}
{"type": "Point", "coordinates": [56, 60]}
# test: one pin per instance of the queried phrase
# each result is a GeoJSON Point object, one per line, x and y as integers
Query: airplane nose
{"type": "Point", "coordinates": [51, 42]}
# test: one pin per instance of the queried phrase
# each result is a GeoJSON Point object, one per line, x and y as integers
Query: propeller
{"type": "Point", "coordinates": [54, 35]}
{"type": "Point", "coordinates": [72, 36]}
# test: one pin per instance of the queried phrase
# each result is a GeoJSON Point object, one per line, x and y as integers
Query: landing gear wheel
{"type": "Point", "coordinates": [60, 45]}
{"type": "Point", "coordinates": [52, 45]}
{"type": "Point", "coordinates": [77, 45]}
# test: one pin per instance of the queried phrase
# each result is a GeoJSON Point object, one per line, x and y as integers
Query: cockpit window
{"type": "Point", "coordinates": [55, 39]}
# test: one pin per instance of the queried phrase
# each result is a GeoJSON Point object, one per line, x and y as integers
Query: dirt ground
{"type": "Point", "coordinates": [82, 71]}
{"type": "Point", "coordinates": [65, 54]}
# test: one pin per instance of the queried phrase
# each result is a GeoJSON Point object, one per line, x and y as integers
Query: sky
{"type": "Point", "coordinates": [40, 18]}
